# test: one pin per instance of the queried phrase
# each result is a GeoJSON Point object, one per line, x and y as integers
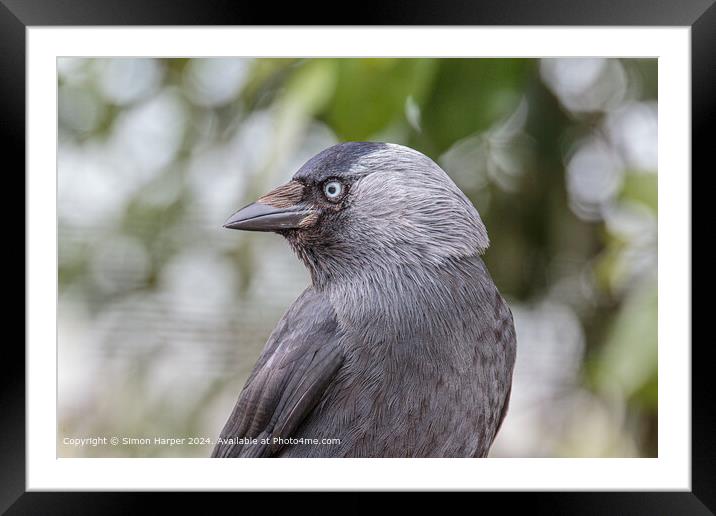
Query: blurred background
{"type": "Point", "coordinates": [162, 313]}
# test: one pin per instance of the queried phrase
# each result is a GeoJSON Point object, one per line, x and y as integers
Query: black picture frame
{"type": "Point", "coordinates": [17, 15]}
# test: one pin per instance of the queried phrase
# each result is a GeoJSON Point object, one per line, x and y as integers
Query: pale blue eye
{"type": "Point", "coordinates": [333, 190]}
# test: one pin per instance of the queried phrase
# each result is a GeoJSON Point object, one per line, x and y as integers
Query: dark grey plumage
{"type": "Point", "coordinates": [402, 346]}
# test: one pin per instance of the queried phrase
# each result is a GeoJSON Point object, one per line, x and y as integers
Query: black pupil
{"type": "Point", "coordinates": [332, 189]}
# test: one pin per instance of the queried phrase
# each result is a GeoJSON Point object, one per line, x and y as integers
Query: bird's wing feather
{"type": "Point", "coordinates": [300, 359]}
{"type": "Point", "coordinates": [503, 412]}
{"type": "Point", "coordinates": [504, 339]}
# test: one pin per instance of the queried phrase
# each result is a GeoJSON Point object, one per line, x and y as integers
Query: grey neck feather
{"type": "Point", "coordinates": [420, 305]}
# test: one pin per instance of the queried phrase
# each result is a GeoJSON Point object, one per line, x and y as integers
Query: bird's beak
{"type": "Point", "coordinates": [282, 208]}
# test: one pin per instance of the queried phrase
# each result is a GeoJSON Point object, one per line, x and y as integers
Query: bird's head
{"type": "Point", "coordinates": [362, 205]}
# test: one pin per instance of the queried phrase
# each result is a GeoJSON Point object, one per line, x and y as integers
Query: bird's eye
{"type": "Point", "coordinates": [333, 190]}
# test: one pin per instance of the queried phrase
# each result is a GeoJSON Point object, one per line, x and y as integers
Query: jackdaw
{"type": "Point", "coordinates": [402, 346]}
